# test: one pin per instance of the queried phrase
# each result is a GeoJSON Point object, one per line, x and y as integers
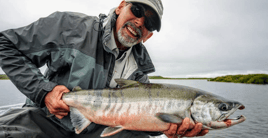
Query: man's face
{"type": "Point", "coordinates": [130, 30]}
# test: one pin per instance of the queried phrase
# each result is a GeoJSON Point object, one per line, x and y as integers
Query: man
{"type": "Point", "coordinates": [79, 50]}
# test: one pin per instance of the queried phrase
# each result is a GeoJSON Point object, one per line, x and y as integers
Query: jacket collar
{"type": "Point", "coordinates": [108, 24]}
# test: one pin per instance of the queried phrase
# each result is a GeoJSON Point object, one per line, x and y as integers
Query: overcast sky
{"type": "Point", "coordinates": [198, 38]}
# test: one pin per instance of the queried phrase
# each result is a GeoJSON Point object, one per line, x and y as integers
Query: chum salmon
{"type": "Point", "coordinates": [148, 107]}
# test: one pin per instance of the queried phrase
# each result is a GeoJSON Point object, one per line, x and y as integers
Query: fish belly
{"type": "Point", "coordinates": [131, 116]}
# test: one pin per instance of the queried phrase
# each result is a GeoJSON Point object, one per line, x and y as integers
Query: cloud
{"type": "Point", "coordinates": [202, 38]}
{"type": "Point", "coordinates": [212, 36]}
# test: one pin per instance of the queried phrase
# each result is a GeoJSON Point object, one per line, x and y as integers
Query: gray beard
{"type": "Point", "coordinates": [126, 40]}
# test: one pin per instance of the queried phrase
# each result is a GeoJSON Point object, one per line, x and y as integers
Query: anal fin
{"type": "Point", "coordinates": [79, 121]}
{"type": "Point", "coordinates": [109, 131]}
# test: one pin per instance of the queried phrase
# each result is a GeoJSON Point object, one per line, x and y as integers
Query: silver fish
{"type": "Point", "coordinates": [148, 107]}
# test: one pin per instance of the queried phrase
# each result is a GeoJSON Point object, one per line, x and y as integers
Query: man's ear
{"type": "Point", "coordinates": [120, 7]}
{"type": "Point", "coordinates": [147, 37]}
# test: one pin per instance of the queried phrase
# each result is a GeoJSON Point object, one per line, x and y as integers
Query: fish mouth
{"type": "Point", "coordinates": [225, 115]}
{"type": "Point", "coordinates": [224, 121]}
{"type": "Point", "coordinates": [237, 120]}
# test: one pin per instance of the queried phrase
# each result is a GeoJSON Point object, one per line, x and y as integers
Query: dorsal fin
{"type": "Point", "coordinates": [77, 88]}
{"type": "Point", "coordinates": [126, 83]}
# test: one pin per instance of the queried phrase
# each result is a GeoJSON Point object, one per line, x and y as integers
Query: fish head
{"type": "Point", "coordinates": [213, 111]}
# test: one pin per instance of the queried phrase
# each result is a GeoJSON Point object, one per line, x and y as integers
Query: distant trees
{"type": "Point", "coordinates": [160, 77]}
{"type": "Point", "coordinates": [250, 79]}
{"type": "Point", "coordinates": [3, 77]}
{"type": "Point", "coordinates": [157, 77]}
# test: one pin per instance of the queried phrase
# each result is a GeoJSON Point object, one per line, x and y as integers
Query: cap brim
{"type": "Point", "coordinates": [159, 24]}
{"type": "Point", "coordinates": [153, 7]}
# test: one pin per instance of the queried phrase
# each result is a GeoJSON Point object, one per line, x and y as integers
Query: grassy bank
{"type": "Point", "coordinates": [249, 79]}
{"type": "Point", "coordinates": [3, 77]}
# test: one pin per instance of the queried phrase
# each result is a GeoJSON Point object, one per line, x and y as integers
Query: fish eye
{"type": "Point", "coordinates": [223, 107]}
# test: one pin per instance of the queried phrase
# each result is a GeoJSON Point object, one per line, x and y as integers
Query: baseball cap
{"type": "Point", "coordinates": [156, 5]}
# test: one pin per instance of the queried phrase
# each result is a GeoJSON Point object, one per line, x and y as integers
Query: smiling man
{"type": "Point", "coordinates": [134, 24]}
{"type": "Point", "coordinates": [79, 50]}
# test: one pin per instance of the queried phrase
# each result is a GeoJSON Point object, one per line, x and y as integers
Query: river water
{"type": "Point", "coordinates": [254, 97]}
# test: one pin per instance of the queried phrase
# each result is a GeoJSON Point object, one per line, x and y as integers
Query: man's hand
{"type": "Point", "coordinates": [183, 130]}
{"type": "Point", "coordinates": [54, 102]}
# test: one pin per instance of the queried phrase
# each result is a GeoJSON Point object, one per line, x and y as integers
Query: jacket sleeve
{"type": "Point", "coordinates": [24, 50]}
{"type": "Point", "coordinates": [144, 79]}
{"type": "Point", "coordinates": [23, 72]}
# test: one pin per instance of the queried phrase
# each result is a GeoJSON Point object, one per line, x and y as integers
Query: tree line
{"type": "Point", "coordinates": [249, 79]}
{"type": "Point", "coordinates": [3, 77]}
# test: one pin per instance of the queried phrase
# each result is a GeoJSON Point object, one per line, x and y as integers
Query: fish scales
{"type": "Point", "coordinates": [135, 103]}
{"type": "Point", "coordinates": [148, 107]}
{"type": "Point", "coordinates": [144, 96]}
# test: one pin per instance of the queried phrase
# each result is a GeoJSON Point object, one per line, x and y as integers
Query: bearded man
{"type": "Point", "coordinates": [79, 50]}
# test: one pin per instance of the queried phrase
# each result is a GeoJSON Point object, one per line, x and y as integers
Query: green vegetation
{"type": "Point", "coordinates": [157, 77]}
{"type": "Point", "coordinates": [249, 79]}
{"type": "Point", "coordinates": [160, 77]}
{"type": "Point", "coordinates": [3, 77]}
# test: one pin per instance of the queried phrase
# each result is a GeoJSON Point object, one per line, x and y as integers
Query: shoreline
{"type": "Point", "coordinates": [160, 77]}
{"type": "Point", "coordinates": [244, 79]}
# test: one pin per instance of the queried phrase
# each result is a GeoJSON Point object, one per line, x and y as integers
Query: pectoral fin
{"type": "Point", "coordinates": [169, 118]}
{"type": "Point", "coordinates": [78, 120]}
{"type": "Point", "coordinates": [109, 131]}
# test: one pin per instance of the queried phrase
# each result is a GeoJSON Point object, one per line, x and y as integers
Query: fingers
{"type": "Point", "coordinates": [181, 130]}
{"type": "Point", "coordinates": [54, 102]}
{"type": "Point", "coordinates": [185, 129]}
{"type": "Point", "coordinates": [58, 112]}
{"type": "Point", "coordinates": [171, 131]}
{"type": "Point", "coordinates": [194, 132]}
{"type": "Point", "coordinates": [184, 126]}
{"type": "Point", "coordinates": [59, 116]}
{"type": "Point", "coordinates": [186, 123]}
{"type": "Point", "coordinates": [203, 132]}
{"type": "Point", "coordinates": [62, 113]}
{"type": "Point", "coordinates": [57, 106]}
{"type": "Point", "coordinates": [63, 106]}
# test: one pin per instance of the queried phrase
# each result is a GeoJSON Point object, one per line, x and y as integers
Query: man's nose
{"type": "Point", "coordinates": [139, 22]}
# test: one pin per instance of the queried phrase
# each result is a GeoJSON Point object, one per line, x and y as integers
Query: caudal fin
{"type": "Point", "coordinates": [79, 121]}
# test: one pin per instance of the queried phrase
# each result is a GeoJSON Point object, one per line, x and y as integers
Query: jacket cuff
{"type": "Point", "coordinates": [43, 92]}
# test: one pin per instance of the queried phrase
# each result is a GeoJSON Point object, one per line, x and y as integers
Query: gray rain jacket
{"type": "Point", "coordinates": [73, 46]}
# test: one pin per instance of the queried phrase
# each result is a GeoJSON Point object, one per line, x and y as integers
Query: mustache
{"type": "Point", "coordinates": [137, 30]}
